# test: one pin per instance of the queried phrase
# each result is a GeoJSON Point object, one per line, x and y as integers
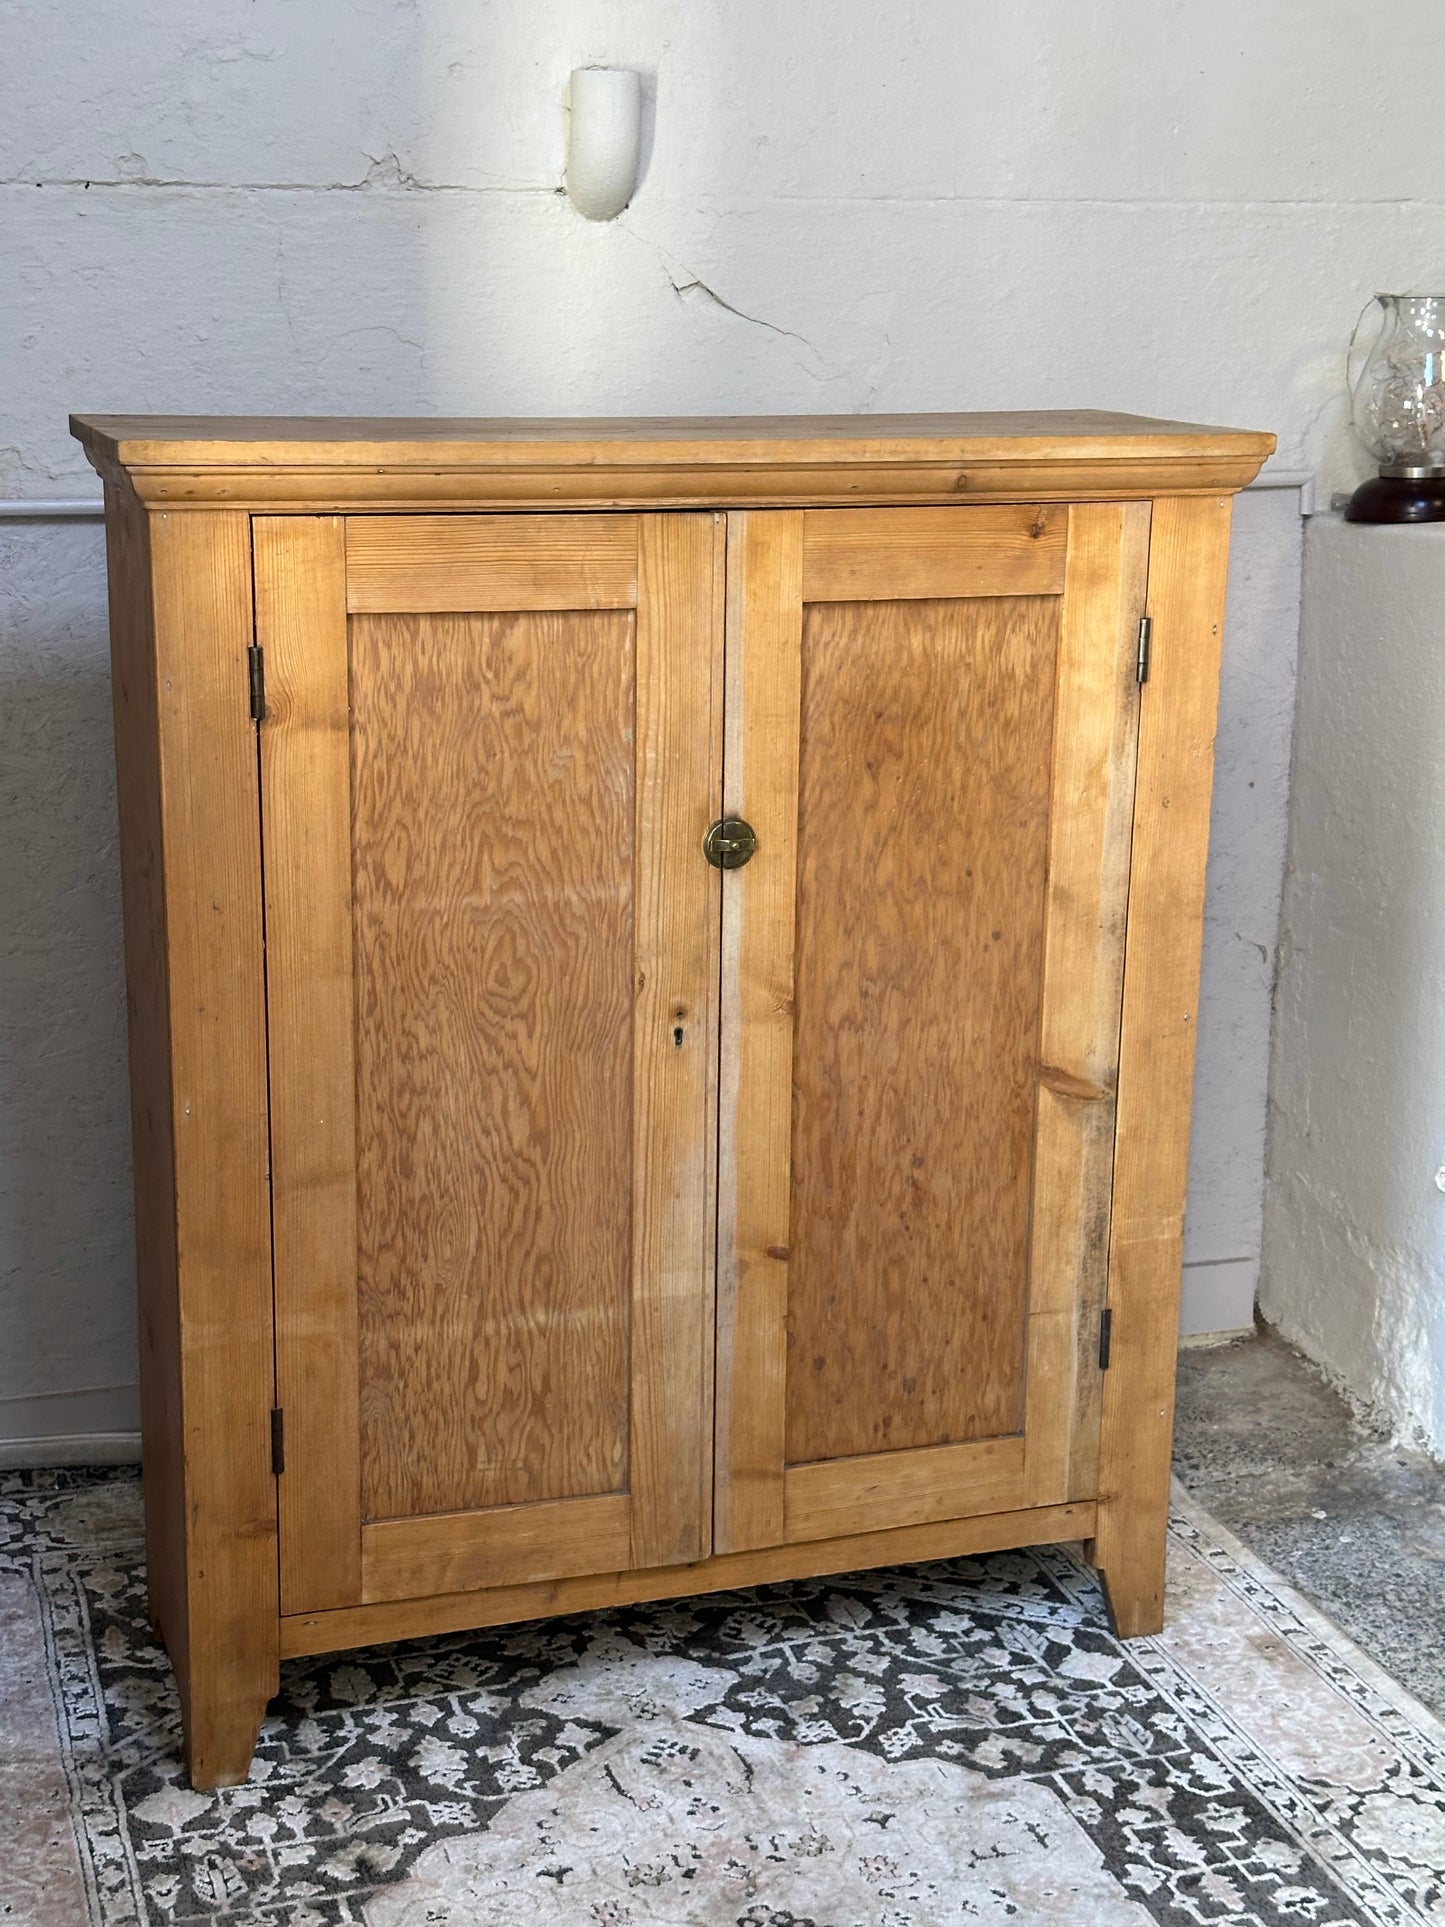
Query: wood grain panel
{"type": "Point", "coordinates": [882, 1489]}
{"type": "Point", "coordinates": [300, 571]}
{"type": "Point", "coordinates": [453, 564]}
{"type": "Point", "coordinates": [764, 628]}
{"type": "Point", "coordinates": [217, 1328]}
{"type": "Point", "coordinates": [679, 763]}
{"type": "Point", "coordinates": [868, 555]}
{"type": "Point", "coordinates": [507, 1546]}
{"type": "Point", "coordinates": [1188, 561]}
{"type": "Point", "coordinates": [494, 810]}
{"type": "Point", "coordinates": [922, 840]}
{"type": "Point", "coordinates": [327, 1632]}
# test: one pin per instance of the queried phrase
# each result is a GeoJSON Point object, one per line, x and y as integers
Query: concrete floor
{"type": "Point", "coordinates": [1355, 1524]}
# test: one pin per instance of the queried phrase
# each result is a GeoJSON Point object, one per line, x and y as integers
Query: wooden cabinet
{"type": "Point", "coordinates": [532, 1215]}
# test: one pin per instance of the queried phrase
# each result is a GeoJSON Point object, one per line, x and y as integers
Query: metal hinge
{"type": "Point", "coordinates": [1106, 1334]}
{"type": "Point", "coordinates": [278, 1440]}
{"type": "Point", "coordinates": [1146, 636]}
{"type": "Point", "coordinates": [256, 669]}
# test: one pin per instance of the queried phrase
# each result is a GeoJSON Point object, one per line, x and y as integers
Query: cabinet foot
{"type": "Point", "coordinates": [1134, 1607]}
{"type": "Point", "coordinates": [1132, 1576]}
{"type": "Point", "coordinates": [221, 1717]}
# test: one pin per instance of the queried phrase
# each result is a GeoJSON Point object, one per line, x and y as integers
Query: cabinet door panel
{"type": "Point", "coordinates": [492, 951]}
{"type": "Point", "coordinates": [922, 843]}
{"type": "Point", "coordinates": [928, 947]}
{"type": "Point", "coordinates": [492, 811]}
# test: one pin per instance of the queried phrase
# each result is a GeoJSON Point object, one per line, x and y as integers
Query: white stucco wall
{"type": "Point", "coordinates": [1224, 1222]}
{"type": "Point", "coordinates": [1355, 1226]}
{"type": "Point", "coordinates": [354, 205]}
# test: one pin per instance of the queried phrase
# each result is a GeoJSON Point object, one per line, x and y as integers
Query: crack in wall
{"type": "Point", "coordinates": [696, 285]}
{"type": "Point", "coordinates": [384, 174]}
{"type": "Point", "coordinates": [685, 281]}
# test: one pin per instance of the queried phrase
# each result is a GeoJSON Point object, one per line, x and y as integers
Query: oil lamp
{"type": "Point", "coordinates": [1397, 407]}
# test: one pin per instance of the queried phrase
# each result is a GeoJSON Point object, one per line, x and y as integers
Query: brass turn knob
{"type": "Point", "coordinates": [729, 843]}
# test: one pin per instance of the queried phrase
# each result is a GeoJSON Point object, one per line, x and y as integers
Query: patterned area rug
{"type": "Point", "coordinates": [958, 1743]}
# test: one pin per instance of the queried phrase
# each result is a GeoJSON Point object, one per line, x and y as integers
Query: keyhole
{"type": "Point", "coordinates": [677, 1036]}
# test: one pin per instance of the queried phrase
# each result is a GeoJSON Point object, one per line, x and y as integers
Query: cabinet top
{"type": "Point", "coordinates": [211, 461]}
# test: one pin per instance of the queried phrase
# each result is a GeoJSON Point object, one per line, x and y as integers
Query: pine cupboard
{"type": "Point", "coordinates": [662, 961]}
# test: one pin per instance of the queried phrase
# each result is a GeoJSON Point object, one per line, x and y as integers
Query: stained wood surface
{"type": "Point", "coordinates": [300, 576]}
{"type": "Point", "coordinates": [922, 846]}
{"type": "Point", "coordinates": [331, 438]}
{"type": "Point", "coordinates": [1059, 1344]}
{"type": "Point", "coordinates": [881, 1489]}
{"type": "Point", "coordinates": [206, 1325]}
{"type": "Point", "coordinates": [1189, 553]}
{"type": "Point", "coordinates": [500, 1605]}
{"type": "Point", "coordinates": [493, 853]}
{"type": "Point", "coordinates": [1090, 827]}
{"type": "Point", "coordinates": [764, 628]}
{"type": "Point", "coordinates": [138, 782]}
{"type": "Point", "coordinates": [862, 555]}
{"type": "Point", "coordinates": [506, 1546]}
{"type": "Point", "coordinates": [477, 563]}
{"type": "Point", "coordinates": [678, 750]}
{"type": "Point", "coordinates": [403, 464]}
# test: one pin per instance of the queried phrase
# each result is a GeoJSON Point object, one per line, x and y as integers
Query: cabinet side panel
{"type": "Point", "coordinates": [1188, 561]}
{"type": "Point", "coordinates": [493, 802]}
{"type": "Point", "coordinates": [137, 758]}
{"type": "Point", "coordinates": [922, 844]}
{"type": "Point", "coordinates": [210, 808]}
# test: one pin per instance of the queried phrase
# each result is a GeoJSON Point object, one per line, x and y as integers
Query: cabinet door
{"type": "Point", "coordinates": [490, 753]}
{"type": "Point", "coordinates": [931, 722]}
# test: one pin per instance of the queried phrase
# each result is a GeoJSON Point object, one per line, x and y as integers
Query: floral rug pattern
{"type": "Point", "coordinates": [957, 1743]}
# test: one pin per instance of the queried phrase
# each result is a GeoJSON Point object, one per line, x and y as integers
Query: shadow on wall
{"type": "Point", "coordinates": [1355, 1224]}
{"type": "Point", "coordinates": [66, 1257]}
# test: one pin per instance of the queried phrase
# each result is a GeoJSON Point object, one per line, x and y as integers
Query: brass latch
{"type": "Point", "coordinates": [729, 843]}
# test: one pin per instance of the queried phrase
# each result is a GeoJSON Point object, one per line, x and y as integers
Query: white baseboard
{"type": "Point", "coordinates": [71, 1448]}
{"type": "Point", "coordinates": [1218, 1298]}
{"type": "Point", "coordinates": [99, 1425]}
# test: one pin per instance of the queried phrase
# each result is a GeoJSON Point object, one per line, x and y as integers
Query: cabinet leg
{"type": "Point", "coordinates": [222, 1706]}
{"type": "Point", "coordinates": [1130, 1564]}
